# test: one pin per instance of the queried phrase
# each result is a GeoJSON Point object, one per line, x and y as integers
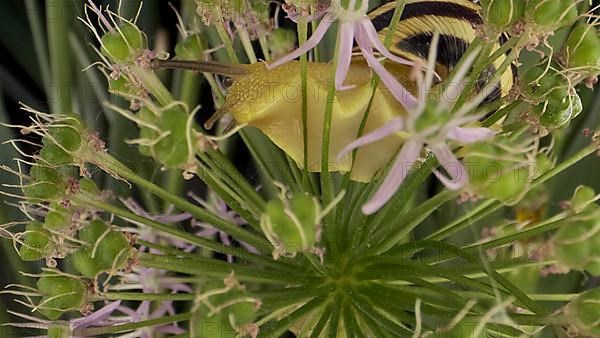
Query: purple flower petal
{"type": "Point", "coordinates": [404, 162]}
{"type": "Point", "coordinates": [311, 43]}
{"type": "Point", "coordinates": [406, 99]}
{"type": "Point", "coordinates": [171, 329]}
{"type": "Point", "coordinates": [470, 135]}
{"type": "Point", "coordinates": [391, 127]}
{"type": "Point", "coordinates": [130, 313]}
{"type": "Point", "coordinates": [346, 38]}
{"type": "Point", "coordinates": [96, 317]}
{"type": "Point", "coordinates": [454, 168]}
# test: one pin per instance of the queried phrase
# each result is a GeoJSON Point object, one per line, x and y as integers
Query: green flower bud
{"type": "Point", "coordinates": [583, 197]}
{"type": "Point", "coordinates": [556, 113]}
{"type": "Point", "coordinates": [191, 48]}
{"type": "Point", "coordinates": [242, 311]}
{"type": "Point", "coordinates": [293, 225]}
{"type": "Point", "coordinates": [540, 83]}
{"type": "Point", "coordinates": [172, 150]}
{"type": "Point", "coordinates": [58, 217]}
{"type": "Point", "coordinates": [88, 186]}
{"type": "Point", "coordinates": [106, 249]}
{"type": "Point", "coordinates": [281, 42]}
{"type": "Point", "coordinates": [216, 326]}
{"type": "Point", "coordinates": [146, 133]}
{"type": "Point", "coordinates": [582, 313]}
{"type": "Point", "coordinates": [124, 44]}
{"type": "Point", "coordinates": [36, 242]}
{"type": "Point", "coordinates": [494, 172]}
{"type": "Point", "coordinates": [46, 183]}
{"type": "Point", "coordinates": [54, 154]}
{"type": "Point", "coordinates": [68, 137]}
{"type": "Point", "coordinates": [549, 15]}
{"type": "Point", "coordinates": [577, 243]}
{"type": "Point", "coordinates": [582, 49]}
{"type": "Point", "coordinates": [501, 14]}
{"type": "Point", "coordinates": [122, 86]}
{"type": "Point", "coordinates": [60, 294]}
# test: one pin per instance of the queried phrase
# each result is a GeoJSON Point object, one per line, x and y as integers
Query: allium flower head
{"type": "Point", "coordinates": [354, 25]}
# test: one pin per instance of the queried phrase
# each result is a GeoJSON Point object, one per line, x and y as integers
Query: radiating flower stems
{"type": "Point", "coordinates": [280, 326]}
{"type": "Point", "coordinates": [387, 237]}
{"type": "Point", "coordinates": [117, 168]}
{"type": "Point", "coordinates": [58, 26]}
{"type": "Point", "coordinates": [226, 171]}
{"type": "Point", "coordinates": [220, 269]}
{"type": "Point", "coordinates": [180, 234]}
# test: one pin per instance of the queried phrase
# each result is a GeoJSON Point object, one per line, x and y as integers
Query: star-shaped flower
{"type": "Point", "coordinates": [431, 124]}
{"type": "Point", "coordinates": [354, 25]}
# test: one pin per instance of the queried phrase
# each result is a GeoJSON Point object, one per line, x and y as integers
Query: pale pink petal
{"type": "Point", "coordinates": [406, 99]}
{"type": "Point", "coordinates": [175, 287]}
{"type": "Point", "coordinates": [346, 39]}
{"type": "Point", "coordinates": [96, 317]}
{"type": "Point", "coordinates": [311, 43]}
{"type": "Point", "coordinates": [370, 32]}
{"type": "Point", "coordinates": [404, 162]}
{"type": "Point", "coordinates": [249, 248]}
{"type": "Point", "coordinates": [391, 127]}
{"type": "Point", "coordinates": [458, 174]}
{"type": "Point", "coordinates": [129, 312]}
{"type": "Point", "coordinates": [470, 135]}
{"type": "Point", "coordinates": [144, 309]}
{"type": "Point", "coordinates": [171, 329]}
{"type": "Point", "coordinates": [176, 218]}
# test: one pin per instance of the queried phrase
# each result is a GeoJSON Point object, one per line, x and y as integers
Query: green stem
{"type": "Point", "coordinates": [264, 45]}
{"type": "Point", "coordinates": [152, 84]}
{"type": "Point", "coordinates": [246, 43]}
{"type": "Point", "coordinates": [117, 168]}
{"type": "Point", "coordinates": [540, 297]}
{"type": "Point", "coordinates": [226, 40]}
{"type": "Point", "coordinates": [154, 297]}
{"type": "Point", "coordinates": [302, 37]}
{"type": "Point", "coordinates": [57, 23]}
{"type": "Point", "coordinates": [39, 41]}
{"type": "Point", "coordinates": [326, 184]}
